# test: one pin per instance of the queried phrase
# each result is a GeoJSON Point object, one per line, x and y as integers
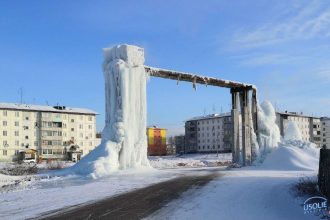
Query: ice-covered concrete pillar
{"type": "Point", "coordinates": [124, 140]}
{"type": "Point", "coordinates": [126, 105]}
{"type": "Point", "coordinates": [235, 128]}
{"type": "Point", "coordinates": [246, 127]}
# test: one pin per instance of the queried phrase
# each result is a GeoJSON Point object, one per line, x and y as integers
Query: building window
{"type": "Point", "coordinates": [16, 123]}
{"type": "Point", "coordinates": [5, 143]}
{"type": "Point", "coordinates": [89, 126]}
{"type": "Point", "coordinates": [17, 114]}
{"type": "Point", "coordinates": [4, 123]}
{"type": "Point", "coordinates": [72, 120]}
{"type": "Point", "coordinates": [72, 129]}
{"type": "Point", "coordinates": [4, 152]}
{"type": "Point", "coordinates": [4, 133]}
{"type": "Point", "coordinates": [90, 118]}
{"type": "Point", "coordinates": [17, 143]}
{"type": "Point", "coordinates": [26, 137]}
{"type": "Point", "coordinates": [4, 113]}
{"type": "Point", "coordinates": [80, 126]}
{"type": "Point", "coordinates": [27, 118]}
{"type": "Point", "coordinates": [25, 127]}
{"type": "Point", "coordinates": [16, 133]}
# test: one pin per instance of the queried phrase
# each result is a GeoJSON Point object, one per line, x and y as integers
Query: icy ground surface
{"type": "Point", "coordinates": [43, 195]}
{"type": "Point", "coordinates": [260, 192]}
{"type": "Point", "coordinates": [190, 160]}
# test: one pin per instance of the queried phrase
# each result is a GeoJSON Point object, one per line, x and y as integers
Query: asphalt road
{"type": "Point", "coordinates": [137, 204]}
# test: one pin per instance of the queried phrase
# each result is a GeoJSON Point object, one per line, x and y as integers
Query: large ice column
{"type": "Point", "coordinates": [124, 140]}
{"type": "Point", "coordinates": [269, 133]}
{"type": "Point", "coordinates": [126, 107]}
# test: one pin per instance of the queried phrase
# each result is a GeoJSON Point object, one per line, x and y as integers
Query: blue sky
{"type": "Point", "coordinates": [53, 50]}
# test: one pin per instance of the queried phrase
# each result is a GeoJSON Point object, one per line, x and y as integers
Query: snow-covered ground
{"type": "Point", "coordinates": [190, 160]}
{"type": "Point", "coordinates": [43, 195]}
{"type": "Point", "coordinates": [259, 192]}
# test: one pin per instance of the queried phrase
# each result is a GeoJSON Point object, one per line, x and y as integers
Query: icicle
{"type": "Point", "coordinates": [206, 81]}
{"type": "Point", "coordinates": [177, 82]}
{"type": "Point", "coordinates": [194, 83]}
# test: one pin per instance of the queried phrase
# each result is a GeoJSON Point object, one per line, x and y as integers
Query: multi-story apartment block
{"type": "Point", "coordinates": [325, 133]}
{"type": "Point", "coordinates": [52, 131]}
{"type": "Point", "coordinates": [210, 133]}
{"type": "Point", "coordinates": [309, 126]}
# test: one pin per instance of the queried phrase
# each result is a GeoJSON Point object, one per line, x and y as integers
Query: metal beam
{"type": "Point", "coordinates": [194, 78]}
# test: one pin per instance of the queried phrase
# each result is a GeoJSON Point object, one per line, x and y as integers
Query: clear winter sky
{"type": "Point", "coordinates": [53, 50]}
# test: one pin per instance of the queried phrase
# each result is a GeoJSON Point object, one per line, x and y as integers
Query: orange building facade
{"type": "Point", "coordinates": [156, 141]}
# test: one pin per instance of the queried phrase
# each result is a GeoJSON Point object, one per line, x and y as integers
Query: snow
{"type": "Point", "coordinates": [293, 157]}
{"type": "Point", "coordinates": [190, 160]}
{"type": "Point", "coordinates": [259, 192]}
{"type": "Point", "coordinates": [124, 140]}
{"type": "Point", "coordinates": [269, 133]}
{"type": "Point", "coordinates": [45, 108]}
{"type": "Point", "coordinates": [292, 132]}
{"type": "Point", "coordinates": [44, 195]}
{"type": "Point", "coordinates": [7, 179]}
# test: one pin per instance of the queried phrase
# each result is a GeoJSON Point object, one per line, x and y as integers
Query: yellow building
{"type": "Point", "coordinates": [156, 141]}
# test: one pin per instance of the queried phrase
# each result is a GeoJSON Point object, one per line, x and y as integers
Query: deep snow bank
{"type": "Point", "coordinates": [292, 132]}
{"type": "Point", "coordinates": [293, 155]}
{"type": "Point", "coordinates": [124, 141]}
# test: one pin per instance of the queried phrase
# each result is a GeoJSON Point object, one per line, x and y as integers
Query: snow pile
{"type": "Point", "coordinates": [124, 141]}
{"type": "Point", "coordinates": [296, 156]}
{"type": "Point", "coordinates": [292, 132]}
{"type": "Point", "coordinates": [269, 133]}
{"type": "Point", "coordinates": [190, 160]}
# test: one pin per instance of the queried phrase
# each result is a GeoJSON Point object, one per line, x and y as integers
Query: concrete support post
{"type": "Point", "coordinates": [235, 128]}
{"type": "Point", "coordinates": [246, 127]}
{"type": "Point", "coordinates": [255, 110]}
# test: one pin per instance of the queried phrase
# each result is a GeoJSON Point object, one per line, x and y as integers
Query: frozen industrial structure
{"type": "Point", "coordinates": [124, 141]}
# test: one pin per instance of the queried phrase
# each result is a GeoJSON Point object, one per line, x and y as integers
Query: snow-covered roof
{"type": "Point", "coordinates": [210, 116]}
{"type": "Point", "coordinates": [296, 114]}
{"type": "Point", "coordinates": [45, 108]}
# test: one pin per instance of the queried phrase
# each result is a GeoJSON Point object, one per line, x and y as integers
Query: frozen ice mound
{"type": "Point", "coordinates": [293, 156]}
{"type": "Point", "coordinates": [124, 139]}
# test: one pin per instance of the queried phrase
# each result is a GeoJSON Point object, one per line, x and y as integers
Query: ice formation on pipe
{"type": "Point", "coordinates": [292, 132]}
{"type": "Point", "coordinates": [124, 140]}
{"type": "Point", "coordinates": [269, 133]}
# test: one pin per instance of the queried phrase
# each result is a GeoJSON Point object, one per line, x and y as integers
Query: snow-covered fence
{"type": "Point", "coordinates": [324, 172]}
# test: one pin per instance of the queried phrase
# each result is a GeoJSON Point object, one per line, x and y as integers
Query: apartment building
{"type": "Point", "coordinates": [180, 143]}
{"type": "Point", "coordinates": [211, 133]}
{"type": "Point", "coordinates": [52, 131]}
{"type": "Point", "coordinates": [309, 126]}
{"type": "Point", "coordinates": [325, 133]}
